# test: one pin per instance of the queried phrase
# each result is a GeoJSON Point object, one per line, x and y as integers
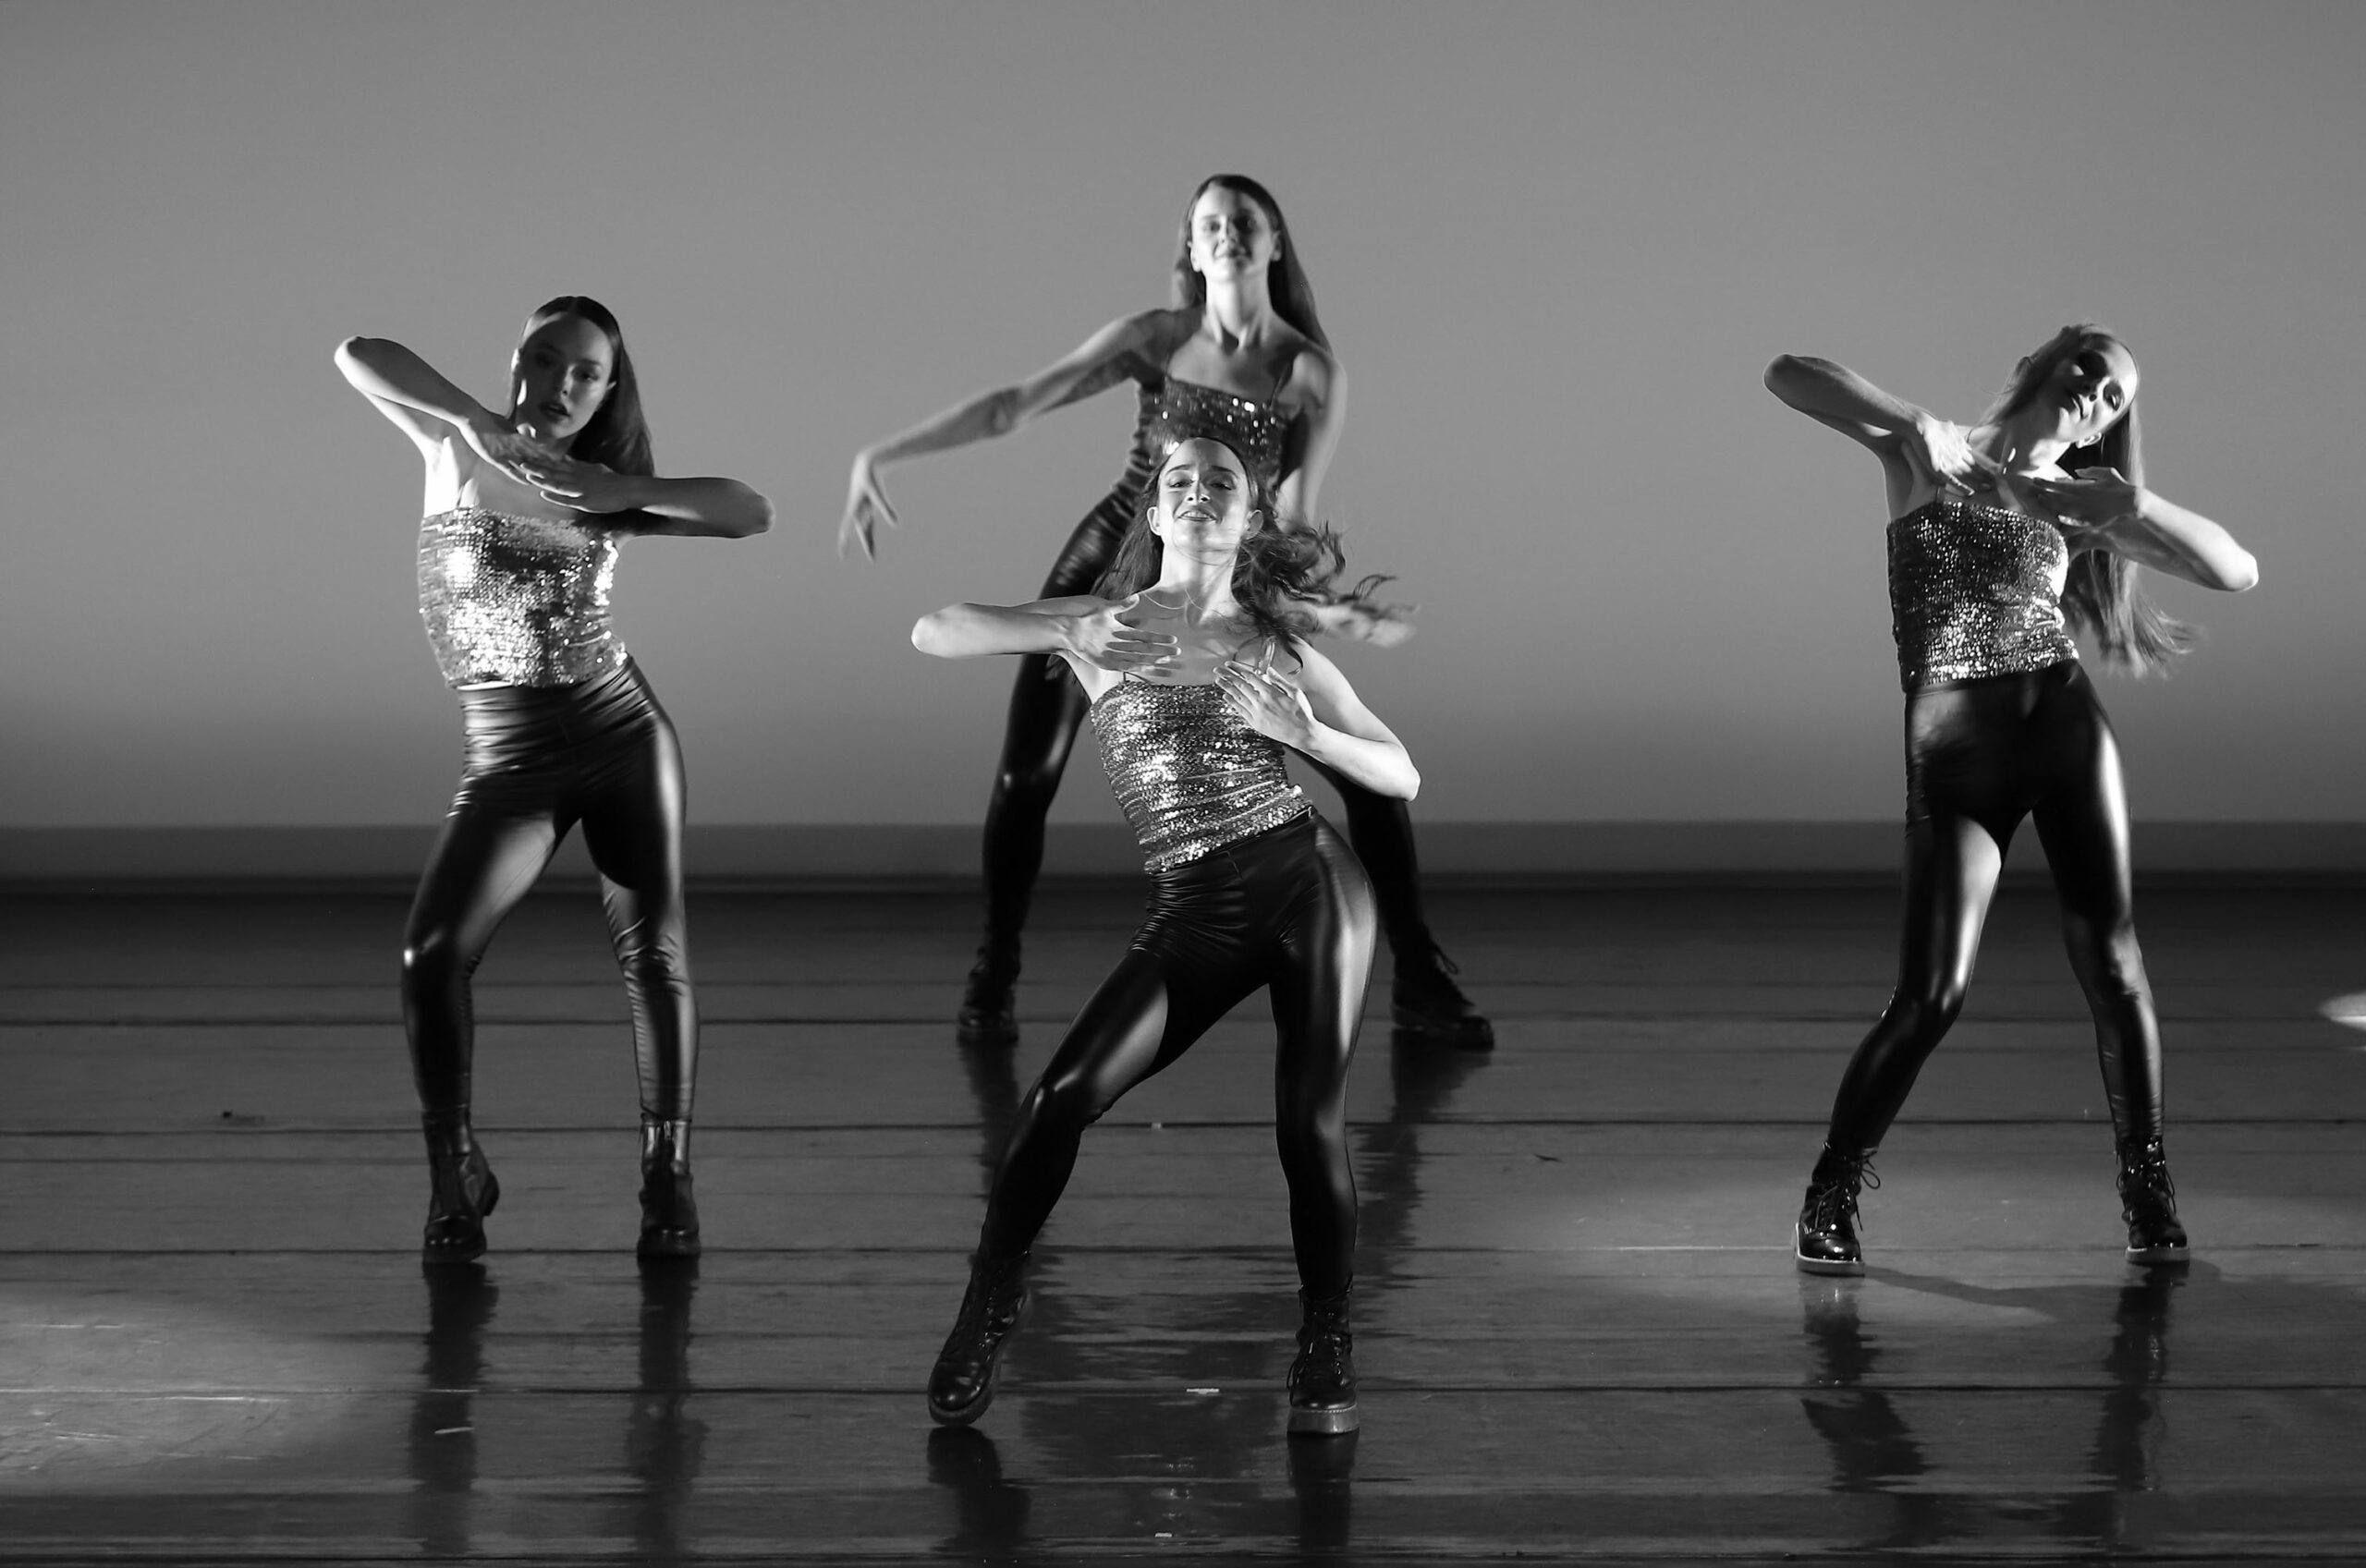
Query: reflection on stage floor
{"type": "Point", "coordinates": [1577, 1326]}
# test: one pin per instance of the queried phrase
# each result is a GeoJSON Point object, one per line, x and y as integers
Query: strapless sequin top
{"type": "Point", "coordinates": [1975, 591]}
{"type": "Point", "coordinates": [516, 601]}
{"type": "Point", "coordinates": [1189, 776]}
{"type": "Point", "coordinates": [1175, 411]}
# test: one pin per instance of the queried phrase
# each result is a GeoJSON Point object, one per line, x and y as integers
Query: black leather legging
{"type": "Point", "coordinates": [1980, 757]}
{"type": "Point", "coordinates": [1047, 707]}
{"type": "Point", "coordinates": [1289, 908]}
{"type": "Point", "coordinates": [539, 761]}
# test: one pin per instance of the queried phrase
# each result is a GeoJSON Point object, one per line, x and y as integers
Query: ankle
{"type": "Point", "coordinates": [665, 1140]}
{"type": "Point", "coordinates": [449, 1136]}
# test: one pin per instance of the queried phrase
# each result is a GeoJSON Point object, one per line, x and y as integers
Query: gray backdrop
{"type": "Point", "coordinates": [1556, 246]}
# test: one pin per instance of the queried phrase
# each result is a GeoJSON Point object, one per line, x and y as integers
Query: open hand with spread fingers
{"type": "Point", "coordinates": [867, 510]}
{"type": "Point", "coordinates": [1942, 452]}
{"type": "Point", "coordinates": [585, 487]}
{"type": "Point", "coordinates": [1269, 703]}
{"type": "Point", "coordinates": [506, 448]}
{"type": "Point", "coordinates": [1105, 638]}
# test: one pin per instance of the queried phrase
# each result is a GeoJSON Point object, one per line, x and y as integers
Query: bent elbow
{"type": "Point", "coordinates": [1001, 411]}
{"type": "Point", "coordinates": [928, 635]}
{"type": "Point", "coordinates": [2244, 577]}
{"type": "Point", "coordinates": [1783, 375]}
{"type": "Point", "coordinates": [760, 516]}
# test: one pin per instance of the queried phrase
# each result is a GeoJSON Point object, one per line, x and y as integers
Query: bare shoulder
{"type": "Point", "coordinates": [1157, 333]}
{"type": "Point", "coordinates": [1303, 662]}
{"type": "Point", "coordinates": [1313, 373]}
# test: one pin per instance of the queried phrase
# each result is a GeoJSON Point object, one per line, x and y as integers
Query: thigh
{"type": "Point", "coordinates": [1090, 548]}
{"type": "Point", "coordinates": [632, 801]}
{"type": "Point", "coordinates": [1130, 1028]}
{"type": "Point", "coordinates": [1963, 757]}
{"type": "Point", "coordinates": [2082, 815]}
{"type": "Point", "coordinates": [1952, 863]}
{"type": "Point", "coordinates": [493, 847]}
{"type": "Point", "coordinates": [1323, 960]}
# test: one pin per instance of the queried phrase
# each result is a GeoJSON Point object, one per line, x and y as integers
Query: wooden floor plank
{"type": "Point", "coordinates": [1579, 1330]}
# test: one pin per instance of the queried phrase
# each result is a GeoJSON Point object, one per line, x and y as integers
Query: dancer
{"type": "Point", "coordinates": [1997, 554]}
{"type": "Point", "coordinates": [1193, 661]}
{"type": "Point", "coordinates": [1240, 356]}
{"type": "Point", "coordinates": [524, 514]}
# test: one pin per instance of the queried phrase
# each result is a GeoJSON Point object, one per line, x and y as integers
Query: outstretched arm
{"type": "Point", "coordinates": [711, 508]}
{"type": "Point", "coordinates": [1102, 360]}
{"type": "Point", "coordinates": [1921, 453]}
{"type": "Point", "coordinates": [1317, 713]}
{"type": "Point", "coordinates": [1092, 633]}
{"type": "Point", "coordinates": [427, 408]}
{"type": "Point", "coordinates": [2108, 513]}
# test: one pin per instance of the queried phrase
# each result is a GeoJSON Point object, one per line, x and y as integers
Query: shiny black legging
{"type": "Point", "coordinates": [539, 761]}
{"type": "Point", "coordinates": [1981, 756]}
{"type": "Point", "coordinates": [1287, 908]}
{"type": "Point", "coordinates": [1047, 707]}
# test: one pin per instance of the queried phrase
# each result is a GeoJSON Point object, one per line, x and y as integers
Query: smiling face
{"type": "Point", "coordinates": [1231, 235]}
{"type": "Point", "coordinates": [561, 374]}
{"type": "Point", "coordinates": [1201, 501]}
{"type": "Point", "coordinates": [2086, 391]}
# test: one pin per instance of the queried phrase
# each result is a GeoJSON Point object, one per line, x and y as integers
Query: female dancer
{"type": "Point", "coordinates": [1996, 552]}
{"type": "Point", "coordinates": [1240, 356]}
{"type": "Point", "coordinates": [1193, 663]}
{"type": "Point", "coordinates": [525, 513]}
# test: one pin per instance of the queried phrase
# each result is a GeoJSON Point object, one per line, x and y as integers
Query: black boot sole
{"type": "Point", "coordinates": [667, 1245]}
{"type": "Point", "coordinates": [1325, 1423]}
{"type": "Point", "coordinates": [1463, 1034]}
{"type": "Point", "coordinates": [2156, 1256]}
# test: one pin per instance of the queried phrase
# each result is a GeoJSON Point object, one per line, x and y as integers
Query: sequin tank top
{"type": "Point", "coordinates": [1189, 776]}
{"type": "Point", "coordinates": [1174, 411]}
{"type": "Point", "coordinates": [1975, 591]}
{"type": "Point", "coordinates": [516, 601]}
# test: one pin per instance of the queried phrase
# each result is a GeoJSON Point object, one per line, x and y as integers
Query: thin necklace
{"type": "Point", "coordinates": [1189, 606]}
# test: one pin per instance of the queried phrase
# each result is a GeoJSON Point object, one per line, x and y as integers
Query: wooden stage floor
{"type": "Point", "coordinates": [1579, 1331]}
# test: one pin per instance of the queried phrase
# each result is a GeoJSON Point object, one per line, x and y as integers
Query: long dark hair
{"type": "Point", "coordinates": [1286, 282]}
{"type": "Point", "coordinates": [2101, 596]}
{"type": "Point", "coordinates": [1276, 572]}
{"type": "Point", "coordinates": [617, 435]}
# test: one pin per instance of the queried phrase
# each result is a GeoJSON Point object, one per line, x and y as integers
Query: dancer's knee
{"type": "Point", "coordinates": [433, 957]}
{"type": "Point", "coordinates": [2106, 954]}
{"type": "Point", "coordinates": [1927, 1010]}
{"type": "Point", "coordinates": [1029, 785]}
{"type": "Point", "coordinates": [1065, 1104]}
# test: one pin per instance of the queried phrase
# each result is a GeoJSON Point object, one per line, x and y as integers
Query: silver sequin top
{"type": "Point", "coordinates": [1975, 591]}
{"type": "Point", "coordinates": [1175, 411]}
{"type": "Point", "coordinates": [1189, 776]}
{"type": "Point", "coordinates": [516, 601]}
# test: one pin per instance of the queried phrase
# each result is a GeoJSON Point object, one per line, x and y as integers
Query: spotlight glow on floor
{"type": "Point", "coordinates": [109, 1383]}
{"type": "Point", "coordinates": [2347, 1011]}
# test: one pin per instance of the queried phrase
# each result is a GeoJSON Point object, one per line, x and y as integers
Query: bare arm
{"type": "Point", "coordinates": [1321, 389]}
{"type": "Point", "coordinates": [427, 408]}
{"type": "Point", "coordinates": [1102, 360]}
{"type": "Point", "coordinates": [1317, 713]}
{"type": "Point", "coordinates": [2107, 513]}
{"type": "Point", "coordinates": [711, 508]}
{"type": "Point", "coordinates": [1092, 633]}
{"type": "Point", "coordinates": [1921, 453]}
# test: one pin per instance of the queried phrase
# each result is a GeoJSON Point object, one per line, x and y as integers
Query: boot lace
{"type": "Point", "coordinates": [1832, 1199]}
